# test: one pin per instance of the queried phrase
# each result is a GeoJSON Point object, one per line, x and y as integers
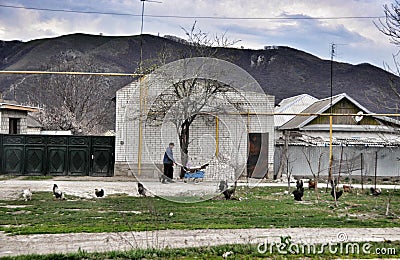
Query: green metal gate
{"type": "Point", "coordinates": [57, 155]}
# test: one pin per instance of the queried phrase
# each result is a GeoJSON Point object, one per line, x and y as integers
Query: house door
{"type": "Point", "coordinates": [257, 160]}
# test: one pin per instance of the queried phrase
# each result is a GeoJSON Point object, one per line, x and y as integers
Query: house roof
{"type": "Point", "coordinates": [31, 122]}
{"type": "Point", "coordinates": [12, 105]}
{"type": "Point", "coordinates": [322, 106]}
{"type": "Point", "coordinates": [293, 105]}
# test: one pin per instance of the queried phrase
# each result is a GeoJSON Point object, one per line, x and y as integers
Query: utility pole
{"type": "Point", "coordinates": [142, 91]}
{"type": "Point", "coordinates": [330, 116]}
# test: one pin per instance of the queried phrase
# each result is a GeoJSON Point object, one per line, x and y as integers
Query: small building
{"type": "Point", "coordinates": [34, 127]}
{"type": "Point", "coordinates": [244, 138]}
{"type": "Point", "coordinates": [362, 145]}
{"type": "Point", "coordinates": [14, 117]}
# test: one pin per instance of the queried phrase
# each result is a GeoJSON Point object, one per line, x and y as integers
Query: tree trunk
{"type": "Point", "coordinates": [184, 143]}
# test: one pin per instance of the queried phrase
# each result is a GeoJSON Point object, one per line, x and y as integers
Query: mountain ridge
{"type": "Point", "coordinates": [281, 71]}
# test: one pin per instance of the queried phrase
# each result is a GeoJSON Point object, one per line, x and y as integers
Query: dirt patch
{"type": "Point", "coordinates": [100, 242]}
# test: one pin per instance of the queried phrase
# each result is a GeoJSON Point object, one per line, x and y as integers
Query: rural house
{"type": "Point", "coordinates": [230, 140]}
{"type": "Point", "coordinates": [362, 145]}
{"type": "Point", "coordinates": [14, 117]}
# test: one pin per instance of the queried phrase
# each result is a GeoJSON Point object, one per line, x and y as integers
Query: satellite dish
{"type": "Point", "coordinates": [359, 117]}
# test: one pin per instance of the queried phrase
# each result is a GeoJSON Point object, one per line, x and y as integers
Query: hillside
{"type": "Point", "coordinates": [281, 71]}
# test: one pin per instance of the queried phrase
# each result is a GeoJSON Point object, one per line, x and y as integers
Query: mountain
{"type": "Point", "coordinates": [281, 71]}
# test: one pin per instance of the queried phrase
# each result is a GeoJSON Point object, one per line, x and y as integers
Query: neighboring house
{"type": "Point", "coordinates": [34, 127]}
{"type": "Point", "coordinates": [355, 138]}
{"type": "Point", "coordinates": [14, 117]}
{"type": "Point", "coordinates": [213, 137]}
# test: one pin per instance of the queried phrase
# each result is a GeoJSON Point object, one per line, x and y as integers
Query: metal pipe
{"type": "Point", "coordinates": [216, 136]}
{"type": "Point", "coordinates": [111, 74]}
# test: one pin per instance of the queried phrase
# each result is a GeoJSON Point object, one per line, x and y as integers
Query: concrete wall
{"type": "Point", "coordinates": [387, 160]}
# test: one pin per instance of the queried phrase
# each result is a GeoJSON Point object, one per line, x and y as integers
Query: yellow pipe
{"type": "Point", "coordinates": [71, 73]}
{"type": "Point", "coordinates": [292, 114]}
{"type": "Point", "coordinates": [330, 148]}
{"type": "Point", "coordinates": [216, 136]}
{"type": "Point", "coordinates": [140, 125]}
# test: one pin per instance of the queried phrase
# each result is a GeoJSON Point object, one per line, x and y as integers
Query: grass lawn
{"type": "Point", "coordinates": [248, 251]}
{"type": "Point", "coordinates": [260, 208]}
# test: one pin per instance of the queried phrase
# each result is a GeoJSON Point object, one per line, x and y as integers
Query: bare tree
{"type": "Point", "coordinates": [190, 98]}
{"type": "Point", "coordinates": [314, 172]}
{"type": "Point", "coordinates": [72, 102]}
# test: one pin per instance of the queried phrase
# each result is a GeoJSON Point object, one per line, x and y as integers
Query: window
{"type": "Point", "coordinates": [13, 127]}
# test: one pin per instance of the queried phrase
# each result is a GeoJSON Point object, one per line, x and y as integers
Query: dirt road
{"type": "Point", "coordinates": [63, 243]}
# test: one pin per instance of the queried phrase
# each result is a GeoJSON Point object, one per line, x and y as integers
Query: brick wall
{"type": "Point", "coordinates": [232, 139]}
{"type": "Point", "coordinates": [7, 114]}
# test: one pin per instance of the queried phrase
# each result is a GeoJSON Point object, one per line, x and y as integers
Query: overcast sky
{"type": "Point", "coordinates": [358, 40]}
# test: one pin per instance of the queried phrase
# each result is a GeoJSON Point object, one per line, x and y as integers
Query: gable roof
{"type": "Point", "coordinates": [293, 105]}
{"type": "Point", "coordinates": [322, 106]}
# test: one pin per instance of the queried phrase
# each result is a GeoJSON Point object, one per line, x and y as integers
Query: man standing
{"type": "Point", "coordinates": [168, 164]}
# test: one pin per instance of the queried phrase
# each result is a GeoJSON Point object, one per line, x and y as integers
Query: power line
{"type": "Point", "coordinates": [192, 17]}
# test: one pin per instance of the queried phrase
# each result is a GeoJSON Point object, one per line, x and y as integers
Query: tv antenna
{"type": "Point", "coordinates": [141, 32]}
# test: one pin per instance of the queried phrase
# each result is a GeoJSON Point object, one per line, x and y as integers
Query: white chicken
{"type": "Point", "coordinates": [27, 194]}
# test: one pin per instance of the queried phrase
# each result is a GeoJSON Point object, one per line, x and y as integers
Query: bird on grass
{"type": "Point", "coordinates": [312, 184]}
{"type": "Point", "coordinates": [376, 191]}
{"type": "Point", "coordinates": [334, 192]}
{"type": "Point", "coordinates": [141, 189]}
{"type": "Point", "coordinates": [99, 193]}
{"type": "Point", "coordinates": [299, 191]}
{"type": "Point", "coordinates": [58, 193]}
{"type": "Point", "coordinates": [339, 193]}
{"type": "Point", "coordinates": [228, 193]}
{"type": "Point", "coordinates": [347, 188]}
{"type": "Point", "coordinates": [27, 194]}
{"type": "Point", "coordinates": [223, 185]}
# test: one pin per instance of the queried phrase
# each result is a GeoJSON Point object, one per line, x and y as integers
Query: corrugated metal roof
{"type": "Point", "coordinates": [319, 106]}
{"type": "Point", "coordinates": [294, 104]}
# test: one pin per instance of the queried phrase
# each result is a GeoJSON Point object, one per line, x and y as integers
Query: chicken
{"type": "Point", "coordinates": [228, 193]}
{"type": "Point", "coordinates": [312, 184]}
{"type": "Point", "coordinates": [298, 193]}
{"type": "Point", "coordinates": [334, 191]}
{"type": "Point", "coordinates": [58, 193]}
{"type": "Point", "coordinates": [338, 194]}
{"type": "Point", "coordinates": [376, 191]}
{"type": "Point", "coordinates": [299, 184]}
{"type": "Point", "coordinates": [99, 193]}
{"type": "Point", "coordinates": [347, 188]}
{"type": "Point", "coordinates": [27, 194]}
{"type": "Point", "coordinates": [223, 185]}
{"type": "Point", "coordinates": [141, 189]}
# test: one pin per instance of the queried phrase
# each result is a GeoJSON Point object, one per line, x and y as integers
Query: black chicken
{"type": "Point", "coordinates": [223, 185]}
{"type": "Point", "coordinates": [298, 194]}
{"type": "Point", "coordinates": [228, 193]}
{"type": "Point", "coordinates": [99, 193]}
{"type": "Point", "coordinates": [299, 184]}
{"type": "Point", "coordinates": [141, 189]}
{"type": "Point", "coordinates": [57, 192]}
{"type": "Point", "coordinates": [338, 194]}
{"type": "Point", "coordinates": [376, 191]}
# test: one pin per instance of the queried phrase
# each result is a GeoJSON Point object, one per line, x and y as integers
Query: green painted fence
{"type": "Point", "coordinates": [57, 155]}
